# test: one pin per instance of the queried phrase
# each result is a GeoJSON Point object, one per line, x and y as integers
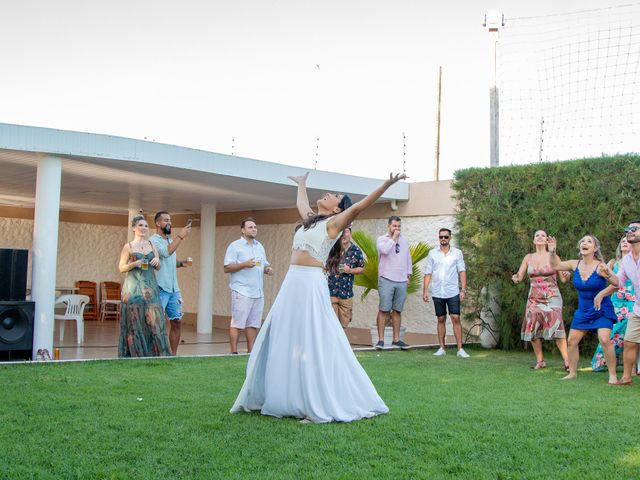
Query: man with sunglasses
{"type": "Point", "coordinates": [629, 268]}
{"type": "Point", "coordinates": [445, 267]}
{"type": "Point", "coordinates": [394, 271]}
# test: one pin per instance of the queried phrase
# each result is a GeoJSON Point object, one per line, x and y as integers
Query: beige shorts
{"type": "Point", "coordinates": [344, 309]}
{"type": "Point", "coordinates": [246, 312]}
{"type": "Point", "coordinates": [633, 329]}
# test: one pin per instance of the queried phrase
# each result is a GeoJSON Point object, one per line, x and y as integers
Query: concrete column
{"type": "Point", "coordinates": [207, 267]}
{"type": "Point", "coordinates": [45, 251]}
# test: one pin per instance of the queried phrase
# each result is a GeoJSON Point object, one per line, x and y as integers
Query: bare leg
{"type": "Point", "coordinates": [457, 329]}
{"type": "Point", "coordinates": [604, 336]}
{"type": "Point", "coordinates": [251, 334]}
{"type": "Point", "coordinates": [561, 343]}
{"type": "Point", "coordinates": [396, 318]}
{"type": "Point", "coordinates": [174, 335]}
{"type": "Point", "coordinates": [536, 343]}
{"type": "Point", "coordinates": [629, 357]}
{"type": "Point", "coordinates": [382, 320]}
{"type": "Point", "coordinates": [442, 330]}
{"type": "Point", "coordinates": [575, 336]}
{"type": "Point", "coordinates": [233, 339]}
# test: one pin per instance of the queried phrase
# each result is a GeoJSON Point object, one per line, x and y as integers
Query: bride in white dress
{"type": "Point", "coordinates": [302, 364]}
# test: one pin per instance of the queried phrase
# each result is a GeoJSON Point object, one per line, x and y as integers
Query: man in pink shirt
{"type": "Point", "coordinates": [394, 271]}
{"type": "Point", "coordinates": [630, 269]}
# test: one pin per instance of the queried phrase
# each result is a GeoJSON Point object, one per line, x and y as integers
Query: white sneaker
{"type": "Point", "coordinates": [440, 353]}
{"type": "Point", "coordinates": [462, 354]}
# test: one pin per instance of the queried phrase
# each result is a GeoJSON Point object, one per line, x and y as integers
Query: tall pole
{"type": "Point", "coordinates": [437, 169]}
{"type": "Point", "coordinates": [494, 125]}
{"type": "Point", "coordinates": [493, 22]}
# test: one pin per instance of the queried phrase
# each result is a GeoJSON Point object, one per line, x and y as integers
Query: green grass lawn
{"type": "Point", "coordinates": [490, 416]}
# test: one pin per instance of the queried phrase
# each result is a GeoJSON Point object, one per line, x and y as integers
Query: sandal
{"type": "Point", "coordinates": [539, 365]}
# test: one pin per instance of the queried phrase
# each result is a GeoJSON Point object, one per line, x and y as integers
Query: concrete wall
{"type": "Point", "coordinates": [90, 245]}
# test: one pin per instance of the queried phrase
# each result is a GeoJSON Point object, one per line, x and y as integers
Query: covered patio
{"type": "Point", "coordinates": [62, 175]}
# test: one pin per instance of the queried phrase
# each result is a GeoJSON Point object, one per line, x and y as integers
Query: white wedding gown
{"type": "Point", "coordinates": [302, 364]}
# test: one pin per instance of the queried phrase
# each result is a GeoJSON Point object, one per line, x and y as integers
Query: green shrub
{"type": "Point", "coordinates": [499, 209]}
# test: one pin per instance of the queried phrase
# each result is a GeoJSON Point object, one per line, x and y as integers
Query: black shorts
{"type": "Point", "coordinates": [443, 304]}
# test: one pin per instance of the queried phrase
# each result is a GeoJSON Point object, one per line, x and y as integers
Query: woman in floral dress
{"type": "Point", "coordinates": [543, 313]}
{"type": "Point", "coordinates": [623, 301]}
{"type": "Point", "coordinates": [143, 332]}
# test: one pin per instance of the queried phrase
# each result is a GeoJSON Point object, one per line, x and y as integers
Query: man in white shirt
{"type": "Point", "coordinates": [445, 266]}
{"type": "Point", "coordinates": [246, 262]}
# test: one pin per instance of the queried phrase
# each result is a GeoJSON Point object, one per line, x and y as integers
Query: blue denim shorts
{"type": "Point", "coordinates": [392, 295]}
{"type": "Point", "coordinates": [171, 304]}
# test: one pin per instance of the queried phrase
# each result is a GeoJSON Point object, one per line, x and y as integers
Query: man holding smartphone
{"type": "Point", "coordinates": [167, 276]}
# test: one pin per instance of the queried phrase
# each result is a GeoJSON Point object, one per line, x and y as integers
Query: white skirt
{"type": "Point", "coordinates": [302, 364]}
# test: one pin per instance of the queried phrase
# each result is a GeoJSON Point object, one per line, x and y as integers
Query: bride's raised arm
{"type": "Point", "coordinates": [302, 201]}
{"type": "Point", "coordinates": [342, 220]}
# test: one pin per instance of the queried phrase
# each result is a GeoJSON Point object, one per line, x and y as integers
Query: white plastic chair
{"type": "Point", "coordinates": [74, 309]}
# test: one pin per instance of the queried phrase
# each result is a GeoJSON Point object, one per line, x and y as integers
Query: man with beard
{"type": "Point", "coordinates": [166, 276]}
{"type": "Point", "coordinates": [394, 272]}
{"type": "Point", "coordinates": [246, 262]}
{"type": "Point", "coordinates": [629, 268]}
{"type": "Point", "coordinates": [445, 266]}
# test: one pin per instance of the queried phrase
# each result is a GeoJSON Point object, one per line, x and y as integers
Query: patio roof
{"type": "Point", "coordinates": [103, 173]}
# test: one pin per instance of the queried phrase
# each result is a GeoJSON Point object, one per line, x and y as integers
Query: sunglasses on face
{"type": "Point", "coordinates": [444, 236]}
{"type": "Point", "coordinates": [631, 229]}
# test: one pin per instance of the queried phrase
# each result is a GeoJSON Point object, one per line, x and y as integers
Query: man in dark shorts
{"type": "Point", "coordinates": [445, 267]}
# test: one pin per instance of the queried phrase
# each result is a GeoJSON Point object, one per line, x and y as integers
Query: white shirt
{"type": "Point", "coordinates": [247, 281]}
{"type": "Point", "coordinates": [444, 270]}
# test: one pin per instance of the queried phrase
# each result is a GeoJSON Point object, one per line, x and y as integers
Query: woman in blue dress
{"type": "Point", "coordinates": [590, 276]}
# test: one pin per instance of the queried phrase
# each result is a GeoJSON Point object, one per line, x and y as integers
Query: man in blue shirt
{"type": "Point", "coordinates": [246, 262]}
{"type": "Point", "coordinates": [166, 276]}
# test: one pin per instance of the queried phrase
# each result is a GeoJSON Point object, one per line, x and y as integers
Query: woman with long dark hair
{"type": "Point", "coordinates": [344, 263]}
{"type": "Point", "coordinates": [302, 364]}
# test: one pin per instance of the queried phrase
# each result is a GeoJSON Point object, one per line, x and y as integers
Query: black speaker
{"type": "Point", "coordinates": [13, 274]}
{"type": "Point", "coordinates": [16, 330]}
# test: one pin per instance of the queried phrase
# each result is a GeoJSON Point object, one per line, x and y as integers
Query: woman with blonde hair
{"type": "Point", "coordinates": [590, 276]}
{"type": "Point", "coordinates": [143, 332]}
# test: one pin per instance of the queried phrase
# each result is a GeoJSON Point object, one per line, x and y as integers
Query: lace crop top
{"type": "Point", "coordinates": [316, 241]}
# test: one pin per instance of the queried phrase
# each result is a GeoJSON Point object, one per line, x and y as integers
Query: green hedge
{"type": "Point", "coordinates": [499, 209]}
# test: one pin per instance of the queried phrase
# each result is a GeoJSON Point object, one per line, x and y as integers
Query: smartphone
{"type": "Point", "coordinates": [189, 222]}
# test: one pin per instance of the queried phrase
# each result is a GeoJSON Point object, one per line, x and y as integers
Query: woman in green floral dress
{"type": "Point", "coordinates": [623, 301]}
{"type": "Point", "coordinates": [143, 332]}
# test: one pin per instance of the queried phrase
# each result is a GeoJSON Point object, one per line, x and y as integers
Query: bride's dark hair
{"type": "Point", "coordinates": [314, 218]}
